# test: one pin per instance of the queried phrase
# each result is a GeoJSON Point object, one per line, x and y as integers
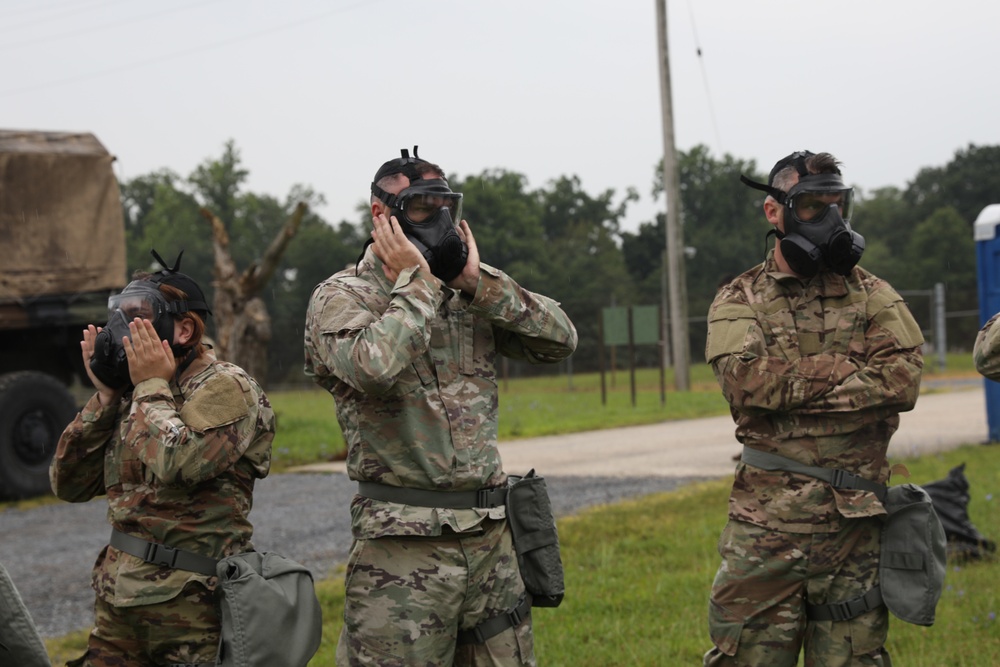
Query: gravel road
{"type": "Point", "coordinates": [49, 551]}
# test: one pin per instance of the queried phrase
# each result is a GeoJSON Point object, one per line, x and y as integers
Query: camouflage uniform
{"type": "Point", "coordinates": [815, 370]}
{"type": "Point", "coordinates": [986, 352]}
{"type": "Point", "coordinates": [177, 462]}
{"type": "Point", "coordinates": [411, 367]}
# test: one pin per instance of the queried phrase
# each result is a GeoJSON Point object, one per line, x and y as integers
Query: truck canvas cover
{"type": "Point", "coordinates": [61, 230]}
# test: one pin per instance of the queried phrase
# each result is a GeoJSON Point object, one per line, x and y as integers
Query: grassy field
{"type": "Point", "coordinates": [638, 573]}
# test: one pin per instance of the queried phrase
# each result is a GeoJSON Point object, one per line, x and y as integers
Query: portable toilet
{"type": "Point", "coordinates": [988, 277]}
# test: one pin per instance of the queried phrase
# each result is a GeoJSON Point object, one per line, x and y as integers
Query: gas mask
{"type": "Point", "coordinates": [816, 215]}
{"type": "Point", "coordinates": [143, 299]}
{"type": "Point", "coordinates": [426, 211]}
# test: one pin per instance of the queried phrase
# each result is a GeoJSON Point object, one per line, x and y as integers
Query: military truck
{"type": "Point", "coordinates": [62, 254]}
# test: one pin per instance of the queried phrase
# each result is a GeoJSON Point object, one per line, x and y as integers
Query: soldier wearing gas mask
{"type": "Point", "coordinates": [175, 439]}
{"type": "Point", "coordinates": [816, 357]}
{"type": "Point", "coordinates": [407, 342]}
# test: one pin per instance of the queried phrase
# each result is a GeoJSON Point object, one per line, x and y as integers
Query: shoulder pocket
{"type": "Point", "coordinates": [218, 402]}
{"type": "Point", "coordinates": [730, 327]}
{"type": "Point", "coordinates": [887, 309]}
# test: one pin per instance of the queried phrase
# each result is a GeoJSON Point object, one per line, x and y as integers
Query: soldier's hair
{"type": "Point", "coordinates": [821, 163]}
{"type": "Point", "coordinates": [425, 169]}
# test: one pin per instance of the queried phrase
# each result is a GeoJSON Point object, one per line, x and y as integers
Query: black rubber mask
{"type": "Point", "coordinates": [143, 298]}
{"type": "Point", "coordinates": [139, 299]}
{"type": "Point", "coordinates": [817, 231]}
{"type": "Point", "coordinates": [426, 212]}
{"type": "Point", "coordinates": [816, 214]}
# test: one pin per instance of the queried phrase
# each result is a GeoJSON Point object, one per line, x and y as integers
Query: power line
{"type": "Point", "coordinates": [57, 15]}
{"type": "Point", "coordinates": [704, 78]}
{"type": "Point", "coordinates": [184, 53]}
{"type": "Point", "coordinates": [114, 24]}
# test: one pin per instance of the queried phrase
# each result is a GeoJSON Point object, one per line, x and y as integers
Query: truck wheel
{"type": "Point", "coordinates": [34, 410]}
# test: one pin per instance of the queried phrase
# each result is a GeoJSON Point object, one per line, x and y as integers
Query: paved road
{"type": "Point", "coordinates": [49, 550]}
{"type": "Point", "coordinates": [705, 447]}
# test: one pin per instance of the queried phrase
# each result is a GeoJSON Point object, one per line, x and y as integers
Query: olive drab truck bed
{"type": "Point", "coordinates": [62, 253]}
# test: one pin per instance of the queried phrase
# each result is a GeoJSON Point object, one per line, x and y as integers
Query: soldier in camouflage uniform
{"type": "Point", "coordinates": [407, 344]}
{"type": "Point", "coordinates": [176, 449]}
{"type": "Point", "coordinates": [986, 352]}
{"type": "Point", "coordinates": [817, 358]}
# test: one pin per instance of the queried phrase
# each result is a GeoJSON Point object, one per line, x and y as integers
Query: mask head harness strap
{"type": "Point", "coordinates": [796, 159]}
{"type": "Point", "coordinates": [405, 165]}
{"type": "Point", "coordinates": [173, 277]}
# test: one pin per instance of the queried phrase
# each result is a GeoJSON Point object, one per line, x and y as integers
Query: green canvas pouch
{"type": "Point", "coordinates": [20, 643]}
{"type": "Point", "coordinates": [536, 542]}
{"type": "Point", "coordinates": [270, 614]}
{"type": "Point", "coordinates": [912, 563]}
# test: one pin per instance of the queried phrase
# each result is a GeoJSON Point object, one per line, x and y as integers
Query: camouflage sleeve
{"type": "Point", "coordinates": [213, 429]}
{"type": "Point", "coordinates": [530, 326]}
{"type": "Point", "coordinates": [889, 382]}
{"type": "Point", "coordinates": [752, 380]}
{"type": "Point", "coordinates": [77, 469]}
{"type": "Point", "coordinates": [986, 352]}
{"type": "Point", "coordinates": [369, 350]}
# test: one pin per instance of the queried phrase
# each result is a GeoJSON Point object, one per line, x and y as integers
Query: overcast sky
{"type": "Point", "coordinates": [320, 92]}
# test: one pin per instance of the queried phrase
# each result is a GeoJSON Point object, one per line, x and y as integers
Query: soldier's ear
{"type": "Point", "coordinates": [774, 212]}
{"type": "Point", "coordinates": [183, 331]}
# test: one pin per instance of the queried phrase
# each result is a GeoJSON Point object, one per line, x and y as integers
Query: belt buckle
{"type": "Point", "coordinates": [160, 554]}
{"type": "Point", "coordinates": [484, 497]}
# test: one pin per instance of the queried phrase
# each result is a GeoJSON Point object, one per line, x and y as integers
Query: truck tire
{"type": "Point", "coordinates": [34, 410]}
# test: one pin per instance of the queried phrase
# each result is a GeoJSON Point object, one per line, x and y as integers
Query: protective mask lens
{"type": "Point", "coordinates": [132, 303]}
{"type": "Point", "coordinates": [812, 206]}
{"type": "Point", "coordinates": [420, 208]}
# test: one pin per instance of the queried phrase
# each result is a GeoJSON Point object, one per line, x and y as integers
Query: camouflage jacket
{"type": "Point", "coordinates": [177, 462]}
{"type": "Point", "coordinates": [816, 371]}
{"type": "Point", "coordinates": [411, 367]}
{"type": "Point", "coordinates": [986, 352]}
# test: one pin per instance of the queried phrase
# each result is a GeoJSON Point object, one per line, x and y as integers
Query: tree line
{"type": "Point", "coordinates": [567, 243]}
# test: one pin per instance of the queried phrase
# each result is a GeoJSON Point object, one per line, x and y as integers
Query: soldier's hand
{"type": "Point", "coordinates": [148, 356]}
{"type": "Point", "coordinates": [468, 279]}
{"type": "Point", "coordinates": [107, 395]}
{"type": "Point", "coordinates": [395, 250]}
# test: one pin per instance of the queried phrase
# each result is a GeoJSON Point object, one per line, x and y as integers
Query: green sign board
{"type": "Point", "coordinates": [645, 325]}
{"type": "Point", "coordinates": [615, 323]}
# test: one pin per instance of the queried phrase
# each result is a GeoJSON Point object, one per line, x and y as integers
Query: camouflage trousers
{"type": "Point", "coordinates": [407, 598]}
{"type": "Point", "coordinates": [183, 630]}
{"type": "Point", "coordinates": [757, 613]}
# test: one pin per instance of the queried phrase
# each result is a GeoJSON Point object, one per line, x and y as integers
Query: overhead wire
{"type": "Point", "coordinates": [704, 78]}
{"type": "Point", "coordinates": [114, 24]}
{"type": "Point", "coordinates": [6, 26]}
{"type": "Point", "coordinates": [185, 52]}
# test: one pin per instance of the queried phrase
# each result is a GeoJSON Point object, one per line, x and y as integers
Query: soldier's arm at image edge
{"type": "Point", "coordinates": [986, 351]}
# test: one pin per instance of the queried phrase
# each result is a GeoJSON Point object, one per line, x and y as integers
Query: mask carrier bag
{"type": "Point", "coordinates": [536, 541]}
{"type": "Point", "coordinates": [913, 545]}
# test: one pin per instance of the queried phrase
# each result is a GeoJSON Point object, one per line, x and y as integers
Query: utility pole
{"type": "Point", "coordinates": [675, 236]}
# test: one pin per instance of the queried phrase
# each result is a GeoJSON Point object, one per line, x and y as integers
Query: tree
{"type": "Point", "coordinates": [506, 220]}
{"type": "Point", "coordinates": [724, 231]}
{"type": "Point", "coordinates": [583, 266]}
{"type": "Point", "coordinates": [243, 326]}
{"type": "Point", "coordinates": [967, 184]}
